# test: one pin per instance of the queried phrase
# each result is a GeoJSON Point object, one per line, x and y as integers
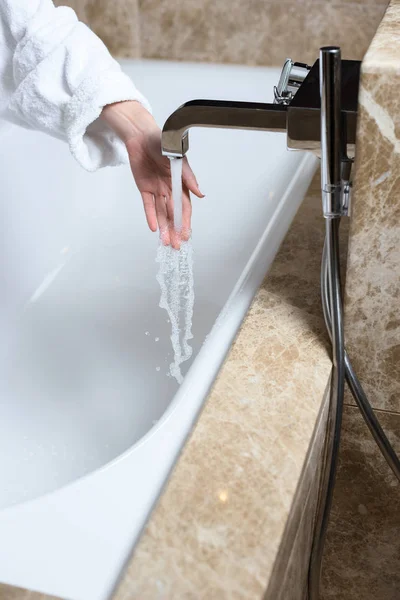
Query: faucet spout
{"type": "Point", "coordinates": [219, 114]}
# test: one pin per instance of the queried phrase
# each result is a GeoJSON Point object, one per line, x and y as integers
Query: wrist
{"type": "Point", "coordinates": [129, 119]}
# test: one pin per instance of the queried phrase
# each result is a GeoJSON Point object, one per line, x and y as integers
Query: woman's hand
{"type": "Point", "coordinates": [151, 170]}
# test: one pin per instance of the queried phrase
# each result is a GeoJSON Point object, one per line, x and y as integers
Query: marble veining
{"type": "Point", "coordinates": [372, 304]}
{"type": "Point", "coordinates": [256, 32]}
{"type": "Point", "coordinates": [289, 577]}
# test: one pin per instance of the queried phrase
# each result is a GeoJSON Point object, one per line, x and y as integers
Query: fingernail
{"type": "Point", "coordinates": [164, 237]}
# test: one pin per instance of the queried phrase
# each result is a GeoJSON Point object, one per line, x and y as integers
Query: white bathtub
{"type": "Point", "coordinates": [89, 429]}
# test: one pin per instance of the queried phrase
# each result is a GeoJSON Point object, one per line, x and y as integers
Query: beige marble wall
{"type": "Point", "coordinates": [261, 32]}
{"type": "Point", "coordinates": [117, 23]}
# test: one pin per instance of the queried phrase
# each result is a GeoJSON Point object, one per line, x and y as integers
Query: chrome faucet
{"type": "Point", "coordinates": [296, 111]}
{"type": "Point", "coordinates": [219, 114]}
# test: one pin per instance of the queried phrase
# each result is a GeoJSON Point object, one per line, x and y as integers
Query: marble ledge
{"type": "Point", "coordinates": [8, 592]}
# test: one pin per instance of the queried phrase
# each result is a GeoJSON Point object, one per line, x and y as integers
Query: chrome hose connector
{"type": "Point", "coordinates": [292, 76]}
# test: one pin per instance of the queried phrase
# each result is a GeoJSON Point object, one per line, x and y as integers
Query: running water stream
{"type": "Point", "coordinates": [175, 276]}
{"type": "Point", "coordinates": [176, 180]}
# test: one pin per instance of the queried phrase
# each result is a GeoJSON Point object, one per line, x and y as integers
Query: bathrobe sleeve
{"type": "Point", "coordinates": [56, 75]}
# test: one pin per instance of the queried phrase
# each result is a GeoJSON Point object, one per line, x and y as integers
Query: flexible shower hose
{"type": "Point", "coordinates": [342, 369]}
{"type": "Point", "coordinates": [336, 396]}
{"type": "Point", "coordinates": [355, 386]}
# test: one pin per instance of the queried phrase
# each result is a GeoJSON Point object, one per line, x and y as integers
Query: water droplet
{"type": "Point", "coordinates": [156, 339]}
{"type": "Point", "coordinates": [158, 368]}
{"type": "Point", "coordinates": [146, 332]}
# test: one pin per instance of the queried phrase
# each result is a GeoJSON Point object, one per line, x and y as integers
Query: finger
{"type": "Point", "coordinates": [189, 179]}
{"type": "Point", "coordinates": [175, 236]}
{"type": "Point", "coordinates": [186, 213]}
{"type": "Point", "coordinates": [161, 211]}
{"type": "Point", "coordinates": [150, 210]}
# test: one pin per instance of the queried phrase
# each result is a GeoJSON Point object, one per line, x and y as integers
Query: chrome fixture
{"type": "Point", "coordinates": [292, 76]}
{"type": "Point", "coordinates": [331, 132]}
{"type": "Point", "coordinates": [332, 206]}
{"type": "Point", "coordinates": [296, 111]}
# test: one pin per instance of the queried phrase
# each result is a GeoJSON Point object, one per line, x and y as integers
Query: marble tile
{"type": "Point", "coordinates": [294, 584]}
{"type": "Point", "coordinates": [366, 3]}
{"type": "Point", "coordinates": [372, 307]}
{"type": "Point", "coordinates": [8, 592]}
{"type": "Point", "coordinates": [362, 555]}
{"type": "Point", "coordinates": [116, 23]}
{"type": "Point", "coordinates": [250, 32]}
{"type": "Point", "coordinates": [289, 576]}
{"type": "Point", "coordinates": [255, 31]}
{"type": "Point", "coordinates": [176, 30]}
{"type": "Point", "coordinates": [348, 25]}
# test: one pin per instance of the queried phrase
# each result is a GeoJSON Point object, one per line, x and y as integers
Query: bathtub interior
{"type": "Point", "coordinates": [79, 314]}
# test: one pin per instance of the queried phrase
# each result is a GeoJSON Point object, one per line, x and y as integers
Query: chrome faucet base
{"type": "Point", "coordinates": [304, 111]}
{"type": "Point", "coordinates": [296, 112]}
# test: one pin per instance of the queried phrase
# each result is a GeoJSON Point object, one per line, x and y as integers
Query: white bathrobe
{"type": "Point", "coordinates": [56, 76]}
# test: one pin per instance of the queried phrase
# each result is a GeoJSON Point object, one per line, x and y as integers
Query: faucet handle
{"type": "Point", "coordinates": [292, 76]}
